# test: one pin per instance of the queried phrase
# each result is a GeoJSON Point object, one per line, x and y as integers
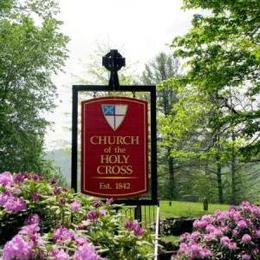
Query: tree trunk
{"type": "Point", "coordinates": [233, 172]}
{"type": "Point", "coordinates": [219, 180]}
{"type": "Point", "coordinates": [172, 186]}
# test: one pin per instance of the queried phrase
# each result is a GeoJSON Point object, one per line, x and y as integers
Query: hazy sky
{"type": "Point", "coordinates": [139, 29]}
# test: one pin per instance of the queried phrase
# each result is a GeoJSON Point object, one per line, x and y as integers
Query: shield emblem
{"type": "Point", "coordinates": [114, 114]}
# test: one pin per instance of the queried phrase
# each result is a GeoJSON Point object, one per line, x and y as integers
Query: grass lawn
{"type": "Point", "coordinates": [187, 209]}
{"type": "Point", "coordinates": [177, 209]}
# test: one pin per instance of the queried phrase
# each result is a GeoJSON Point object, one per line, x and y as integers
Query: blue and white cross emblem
{"type": "Point", "coordinates": [114, 114]}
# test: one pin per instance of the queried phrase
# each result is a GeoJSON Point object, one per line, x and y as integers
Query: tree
{"type": "Point", "coordinates": [162, 68]}
{"type": "Point", "coordinates": [222, 54]}
{"type": "Point", "coordinates": [31, 50]}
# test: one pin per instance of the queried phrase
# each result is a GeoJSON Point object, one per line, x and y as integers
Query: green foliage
{"type": "Point", "coordinates": [212, 129]}
{"type": "Point", "coordinates": [222, 54]}
{"type": "Point", "coordinates": [31, 50]}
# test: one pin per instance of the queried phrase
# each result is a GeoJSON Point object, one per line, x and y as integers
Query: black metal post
{"type": "Point", "coordinates": [138, 213]}
{"type": "Point", "coordinates": [153, 145]}
{"type": "Point", "coordinates": [74, 152]}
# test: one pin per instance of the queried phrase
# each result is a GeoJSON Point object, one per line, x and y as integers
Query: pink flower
{"type": "Point", "coordinates": [232, 245]}
{"type": "Point", "coordinates": [246, 238]}
{"type": "Point", "coordinates": [235, 214]}
{"type": "Point", "coordinates": [217, 232]}
{"type": "Point", "coordinates": [6, 178]}
{"type": "Point", "coordinates": [205, 253]}
{"type": "Point", "coordinates": [198, 252]}
{"type": "Point", "coordinates": [221, 215]}
{"type": "Point", "coordinates": [195, 250]}
{"type": "Point", "coordinates": [20, 177]}
{"type": "Point", "coordinates": [86, 252]}
{"type": "Point", "coordinates": [209, 237]}
{"type": "Point", "coordinates": [255, 251]}
{"type": "Point", "coordinates": [210, 228]}
{"type": "Point", "coordinates": [23, 245]}
{"type": "Point", "coordinates": [185, 236]}
{"type": "Point", "coordinates": [30, 230]}
{"type": "Point", "coordinates": [134, 226]}
{"type": "Point", "coordinates": [14, 204]}
{"type": "Point", "coordinates": [35, 197]}
{"type": "Point", "coordinates": [32, 219]}
{"type": "Point", "coordinates": [207, 218]}
{"type": "Point", "coordinates": [102, 212]}
{"type": "Point", "coordinates": [195, 236]}
{"type": "Point", "coordinates": [245, 257]}
{"type": "Point", "coordinates": [75, 206]}
{"type": "Point", "coordinates": [200, 223]}
{"type": "Point", "coordinates": [62, 234]}
{"type": "Point", "coordinates": [109, 201]}
{"type": "Point", "coordinates": [242, 224]}
{"type": "Point", "coordinates": [80, 240]}
{"type": "Point", "coordinates": [92, 215]}
{"type": "Point", "coordinates": [257, 233]}
{"type": "Point", "coordinates": [4, 197]}
{"type": "Point", "coordinates": [235, 232]}
{"type": "Point", "coordinates": [59, 254]}
{"type": "Point", "coordinates": [245, 204]}
{"type": "Point", "coordinates": [225, 241]}
{"type": "Point", "coordinates": [17, 248]}
{"type": "Point", "coordinates": [184, 248]}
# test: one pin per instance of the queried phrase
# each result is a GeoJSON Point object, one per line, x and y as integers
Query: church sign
{"type": "Point", "coordinates": [114, 156]}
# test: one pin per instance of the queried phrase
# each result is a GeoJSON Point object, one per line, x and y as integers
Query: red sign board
{"type": "Point", "coordinates": [114, 147]}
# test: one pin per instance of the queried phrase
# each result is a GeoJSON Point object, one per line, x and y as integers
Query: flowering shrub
{"type": "Point", "coordinates": [232, 234]}
{"type": "Point", "coordinates": [40, 220]}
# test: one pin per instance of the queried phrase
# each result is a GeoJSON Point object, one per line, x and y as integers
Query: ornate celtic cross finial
{"type": "Point", "coordinates": [113, 61]}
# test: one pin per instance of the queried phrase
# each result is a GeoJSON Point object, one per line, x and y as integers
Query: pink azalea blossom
{"type": "Point", "coordinates": [223, 234]}
{"type": "Point", "coordinates": [225, 241]}
{"type": "Point", "coordinates": [242, 224]}
{"type": "Point", "coordinates": [195, 236]}
{"type": "Point", "coordinates": [185, 236]}
{"type": "Point", "coordinates": [59, 254]}
{"type": "Point", "coordinates": [232, 246]}
{"type": "Point", "coordinates": [92, 215]}
{"type": "Point", "coordinates": [62, 234]}
{"type": "Point", "coordinates": [17, 248]}
{"type": "Point", "coordinates": [14, 204]}
{"type": "Point", "coordinates": [86, 252]}
{"type": "Point", "coordinates": [134, 226]}
{"type": "Point", "coordinates": [80, 240]}
{"type": "Point", "coordinates": [200, 223]}
{"type": "Point", "coordinates": [109, 201]}
{"type": "Point", "coordinates": [103, 212]}
{"type": "Point", "coordinates": [246, 238]}
{"type": "Point", "coordinates": [32, 219]}
{"type": "Point", "coordinates": [6, 178]}
{"type": "Point", "coordinates": [75, 206]}
{"type": "Point", "coordinates": [246, 257]}
{"type": "Point", "coordinates": [257, 233]}
{"type": "Point", "coordinates": [35, 197]}
{"type": "Point", "coordinates": [184, 248]}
